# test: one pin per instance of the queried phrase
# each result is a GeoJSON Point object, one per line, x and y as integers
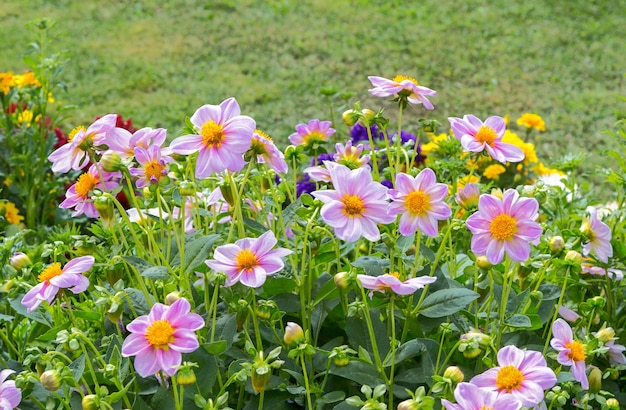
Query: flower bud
{"type": "Point", "coordinates": [574, 257]}
{"type": "Point", "coordinates": [483, 263]}
{"type": "Point", "coordinates": [341, 359]}
{"type": "Point", "coordinates": [50, 380]}
{"type": "Point", "coordinates": [187, 188]}
{"type": "Point", "coordinates": [294, 335]}
{"type": "Point", "coordinates": [454, 374]}
{"type": "Point", "coordinates": [471, 352]}
{"type": "Point", "coordinates": [111, 161]}
{"type": "Point", "coordinates": [104, 206]}
{"type": "Point", "coordinates": [20, 260]}
{"type": "Point", "coordinates": [185, 376]}
{"type": "Point", "coordinates": [557, 244]}
{"type": "Point", "coordinates": [260, 380]}
{"type": "Point", "coordinates": [605, 334]}
{"type": "Point", "coordinates": [90, 402]}
{"type": "Point", "coordinates": [227, 194]}
{"type": "Point", "coordinates": [171, 298]}
{"type": "Point", "coordinates": [368, 115]}
{"type": "Point", "coordinates": [342, 280]}
{"type": "Point", "coordinates": [612, 404]}
{"type": "Point", "coordinates": [408, 404]}
{"type": "Point", "coordinates": [350, 117]}
{"type": "Point", "coordinates": [595, 380]}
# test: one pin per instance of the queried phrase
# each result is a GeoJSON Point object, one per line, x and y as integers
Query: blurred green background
{"type": "Point", "coordinates": [157, 61]}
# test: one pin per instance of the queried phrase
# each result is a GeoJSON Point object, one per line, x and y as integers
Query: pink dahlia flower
{"type": "Point", "coordinates": [390, 281]}
{"type": "Point", "coordinates": [467, 197]}
{"type": "Point", "coordinates": [79, 194]}
{"type": "Point", "coordinates": [224, 135]}
{"type": "Point", "coordinates": [159, 338]}
{"type": "Point", "coordinates": [614, 274]}
{"type": "Point", "coordinates": [351, 156]}
{"type": "Point", "coordinates": [249, 260]}
{"type": "Point", "coordinates": [356, 204]}
{"type": "Point", "coordinates": [420, 202]}
{"type": "Point", "coordinates": [10, 396]}
{"type": "Point", "coordinates": [598, 237]}
{"type": "Point", "coordinates": [315, 131]}
{"type": "Point", "coordinates": [402, 87]}
{"type": "Point", "coordinates": [506, 224]}
{"type": "Point", "coordinates": [73, 155]}
{"type": "Point", "coordinates": [267, 153]}
{"type": "Point", "coordinates": [471, 397]}
{"type": "Point", "coordinates": [124, 143]}
{"type": "Point", "coordinates": [476, 136]}
{"type": "Point", "coordinates": [522, 374]}
{"type": "Point", "coordinates": [53, 278]}
{"type": "Point", "coordinates": [319, 173]}
{"type": "Point", "coordinates": [153, 165]}
{"type": "Point", "coordinates": [571, 352]}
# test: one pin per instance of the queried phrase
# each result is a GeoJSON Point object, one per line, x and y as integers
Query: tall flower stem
{"type": "Point", "coordinates": [370, 328]}
{"type": "Point", "coordinates": [305, 375]}
{"type": "Point", "coordinates": [556, 310]}
{"type": "Point", "coordinates": [507, 284]}
{"type": "Point", "coordinates": [370, 138]}
{"type": "Point", "coordinates": [392, 323]}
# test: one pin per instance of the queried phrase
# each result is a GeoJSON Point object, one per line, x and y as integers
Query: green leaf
{"type": "Point", "coordinates": [407, 350]}
{"type": "Point", "coordinates": [359, 372]}
{"type": "Point", "coordinates": [372, 265]}
{"type": "Point", "coordinates": [93, 316]}
{"type": "Point", "coordinates": [6, 318]}
{"type": "Point", "coordinates": [518, 321]}
{"type": "Point", "coordinates": [216, 348]}
{"type": "Point", "coordinates": [52, 333]}
{"type": "Point", "coordinates": [196, 252]}
{"type": "Point", "coordinates": [16, 304]}
{"type": "Point", "coordinates": [156, 273]}
{"type": "Point", "coordinates": [138, 263]}
{"type": "Point", "coordinates": [549, 291]}
{"type": "Point", "coordinates": [446, 302]}
{"type": "Point", "coordinates": [78, 367]}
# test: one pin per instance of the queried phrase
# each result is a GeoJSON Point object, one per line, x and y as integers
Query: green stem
{"type": "Point", "coordinates": [306, 381]}
{"type": "Point", "coordinates": [372, 335]}
{"type": "Point", "coordinates": [392, 319]}
{"type": "Point", "coordinates": [556, 310]}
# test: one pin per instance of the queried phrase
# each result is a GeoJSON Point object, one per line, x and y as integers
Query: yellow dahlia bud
{"type": "Point", "coordinates": [260, 380]}
{"type": "Point", "coordinates": [595, 380]}
{"type": "Point", "coordinates": [605, 334]}
{"type": "Point", "coordinates": [342, 280]}
{"type": "Point", "coordinates": [573, 256]}
{"type": "Point", "coordinates": [557, 244]}
{"type": "Point", "coordinates": [171, 298]}
{"type": "Point", "coordinates": [350, 117]}
{"type": "Point", "coordinates": [111, 161]}
{"type": "Point", "coordinates": [612, 404]}
{"type": "Point", "coordinates": [454, 374]}
{"type": "Point", "coordinates": [294, 335]}
{"type": "Point", "coordinates": [50, 380]}
{"type": "Point", "coordinates": [471, 352]}
{"type": "Point", "coordinates": [187, 188]}
{"type": "Point", "coordinates": [483, 263]}
{"type": "Point", "coordinates": [20, 260]}
{"type": "Point", "coordinates": [105, 208]}
{"type": "Point", "coordinates": [368, 115]}
{"type": "Point", "coordinates": [408, 404]}
{"type": "Point", "coordinates": [90, 402]}
{"type": "Point", "coordinates": [186, 376]}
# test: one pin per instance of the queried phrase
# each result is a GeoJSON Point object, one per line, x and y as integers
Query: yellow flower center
{"type": "Point", "coordinates": [395, 274]}
{"type": "Point", "coordinates": [75, 131]}
{"type": "Point", "coordinates": [50, 272]}
{"type": "Point", "coordinates": [212, 134]}
{"type": "Point", "coordinates": [85, 183]}
{"type": "Point", "coordinates": [160, 333]}
{"type": "Point", "coordinates": [352, 205]}
{"type": "Point", "coordinates": [314, 137]}
{"type": "Point", "coordinates": [503, 227]}
{"type": "Point", "coordinates": [486, 135]}
{"type": "Point", "coordinates": [486, 408]}
{"type": "Point", "coordinates": [153, 169]}
{"type": "Point", "coordinates": [263, 135]}
{"type": "Point", "coordinates": [399, 78]}
{"type": "Point", "coordinates": [417, 202]}
{"type": "Point", "coordinates": [246, 260]}
{"type": "Point", "coordinates": [576, 351]}
{"type": "Point", "coordinates": [509, 378]}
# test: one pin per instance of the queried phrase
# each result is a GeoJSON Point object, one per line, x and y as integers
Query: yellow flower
{"type": "Point", "coordinates": [494, 171]}
{"type": "Point", "coordinates": [507, 119]}
{"type": "Point", "coordinates": [12, 214]}
{"type": "Point", "coordinates": [433, 145]}
{"type": "Point", "coordinates": [530, 120]}
{"type": "Point", "coordinates": [50, 98]}
{"type": "Point", "coordinates": [7, 81]}
{"type": "Point", "coordinates": [25, 116]}
{"type": "Point", "coordinates": [541, 169]}
{"type": "Point", "coordinates": [26, 79]}
{"type": "Point", "coordinates": [530, 155]}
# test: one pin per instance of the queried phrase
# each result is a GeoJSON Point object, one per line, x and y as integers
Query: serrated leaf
{"type": "Point", "coordinates": [196, 252]}
{"type": "Point", "coordinates": [446, 302]}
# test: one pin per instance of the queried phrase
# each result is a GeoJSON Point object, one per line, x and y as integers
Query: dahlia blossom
{"type": "Point", "coordinates": [476, 136]}
{"type": "Point", "coordinates": [10, 396]}
{"type": "Point", "coordinates": [124, 143]}
{"type": "Point", "coordinates": [506, 224]}
{"type": "Point", "coordinates": [598, 236]}
{"type": "Point", "coordinates": [391, 281]}
{"type": "Point", "coordinates": [571, 352]}
{"type": "Point", "coordinates": [403, 87]}
{"type": "Point", "coordinates": [249, 260]}
{"type": "Point", "coordinates": [53, 278]}
{"type": "Point", "coordinates": [159, 338]}
{"type": "Point", "coordinates": [223, 137]}
{"type": "Point", "coordinates": [471, 397]}
{"type": "Point", "coordinates": [267, 153]}
{"type": "Point", "coordinates": [467, 196]}
{"type": "Point", "coordinates": [420, 202]}
{"type": "Point", "coordinates": [78, 196]}
{"type": "Point", "coordinates": [356, 204]}
{"type": "Point", "coordinates": [351, 156]}
{"type": "Point", "coordinates": [74, 154]}
{"type": "Point", "coordinates": [315, 131]}
{"type": "Point", "coordinates": [153, 165]}
{"type": "Point", "coordinates": [522, 374]}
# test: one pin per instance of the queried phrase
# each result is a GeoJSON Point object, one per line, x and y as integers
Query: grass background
{"type": "Point", "coordinates": [157, 61]}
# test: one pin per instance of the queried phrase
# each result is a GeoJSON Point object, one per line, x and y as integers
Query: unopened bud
{"type": "Point", "coordinates": [606, 334]}
{"type": "Point", "coordinates": [471, 352]}
{"type": "Point", "coordinates": [342, 280]}
{"type": "Point", "coordinates": [557, 244]}
{"type": "Point", "coordinates": [185, 376]}
{"type": "Point", "coordinates": [187, 188]}
{"type": "Point", "coordinates": [50, 380]}
{"type": "Point", "coordinates": [20, 260]}
{"type": "Point", "coordinates": [227, 194]}
{"type": "Point", "coordinates": [595, 380]}
{"type": "Point", "coordinates": [612, 404]}
{"type": "Point", "coordinates": [111, 161]}
{"type": "Point", "coordinates": [368, 115]}
{"type": "Point", "coordinates": [455, 374]}
{"type": "Point", "coordinates": [260, 380]}
{"type": "Point", "coordinates": [171, 298]}
{"type": "Point", "coordinates": [105, 208]}
{"type": "Point", "coordinates": [409, 404]}
{"type": "Point", "coordinates": [574, 257]}
{"type": "Point", "coordinates": [483, 263]}
{"type": "Point", "coordinates": [294, 335]}
{"type": "Point", "coordinates": [350, 117]}
{"type": "Point", "coordinates": [90, 402]}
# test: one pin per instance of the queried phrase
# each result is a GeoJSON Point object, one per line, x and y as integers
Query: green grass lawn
{"type": "Point", "coordinates": [158, 61]}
